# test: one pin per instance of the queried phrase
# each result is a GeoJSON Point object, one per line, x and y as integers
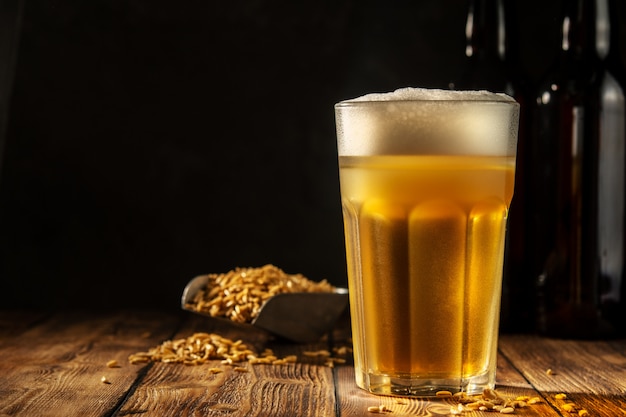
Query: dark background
{"type": "Point", "coordinates": [147, 141]}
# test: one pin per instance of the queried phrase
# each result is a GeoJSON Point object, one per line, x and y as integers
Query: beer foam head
{"type": "Point", "coordinates": [424, 121]}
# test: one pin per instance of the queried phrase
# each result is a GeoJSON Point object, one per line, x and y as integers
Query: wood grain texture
{"type": "Point", "coordinates": [592, 374]}
{"type": "Point", "coordinates": [55, 368]}
{"type": "Point", "coordinates": [300, 389]}
{"type": "Point", "coordinates": [53, 364]}
{"type": "Point", "coordinates": [13, 323]}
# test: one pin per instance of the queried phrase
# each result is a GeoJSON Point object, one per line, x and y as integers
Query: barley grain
{"type": "Point", "coordinates": [569, 407]}
{"type": "Point", "coordinates": [239, 294]}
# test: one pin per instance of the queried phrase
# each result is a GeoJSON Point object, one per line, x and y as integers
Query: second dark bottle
{"type": "Point", "coordinates": [577, 186]}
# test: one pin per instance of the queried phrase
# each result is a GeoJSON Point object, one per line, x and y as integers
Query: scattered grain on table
{"type": "Point", "coordinates": [378, 409]}
{"type": "Point", "coordinates": [201, 348]}
{"type": "Point", "coordinates": [491, 400]}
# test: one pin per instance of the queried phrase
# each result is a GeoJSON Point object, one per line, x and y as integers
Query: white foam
{"type": "Point", "coordinates": [427, 121]}
{"type": "Point", "coordinates": [411, 93]}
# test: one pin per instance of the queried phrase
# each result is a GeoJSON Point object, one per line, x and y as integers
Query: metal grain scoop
{"type": "Point", "coordinates": [301, 317]}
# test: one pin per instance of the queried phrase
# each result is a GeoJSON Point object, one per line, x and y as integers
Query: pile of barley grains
{"type": "Point", "coordinates": [239, 294]}
{"type": "Point", "coordinates": [491, 400]}
{"type": "Point", "coordinates": [195, 350]}
{"type": "Point", "coordinates": [460, 404]}
{"type": "Point", "coordinates": [201, 348]}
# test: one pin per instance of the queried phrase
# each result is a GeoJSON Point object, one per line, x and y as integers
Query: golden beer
{"type": "Point", "coordinates": [425, 236]}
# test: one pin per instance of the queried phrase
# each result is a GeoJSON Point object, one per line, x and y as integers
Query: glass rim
{"type": "Point", "coordinates": [360, 103]}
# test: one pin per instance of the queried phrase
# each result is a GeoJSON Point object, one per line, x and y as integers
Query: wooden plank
{"type": "Point", "coordinates": [592, 374]}
{"type": "Point", "coordinates": [54, 368]}
{"type": "Point", "coordinates": [14, 322]}
{"type": "Point", "coordinates": [354, 402]}
{"type": "Point", "coordinates": [53, 364]}
{"type": "Point", "coordinates": [511, 384]}
{"type": "Point", "coordinates": [301, 389]}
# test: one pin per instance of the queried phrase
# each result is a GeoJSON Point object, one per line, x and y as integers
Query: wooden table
{"type": "Point", "coordinates": [53, 364]}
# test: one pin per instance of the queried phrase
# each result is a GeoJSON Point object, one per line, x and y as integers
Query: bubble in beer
{"type": "Point", "coordinates": [427, 121]}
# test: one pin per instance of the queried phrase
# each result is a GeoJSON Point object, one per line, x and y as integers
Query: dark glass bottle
{"type": "Point", "coordinates": [568, 194]}
{"type": "Point", "coordinates": [611, 170]}
{"type": "Point", "coordinates": [487, 47]}
{"type": "Point", "coordinates": [490, 50]}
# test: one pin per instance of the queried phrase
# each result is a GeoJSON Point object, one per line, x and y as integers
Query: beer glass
{"type": "Point", "coordinates": [426, 180]}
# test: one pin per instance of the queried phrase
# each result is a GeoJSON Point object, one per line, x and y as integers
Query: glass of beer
{"type": "Point", "coordinates": [426, 181]}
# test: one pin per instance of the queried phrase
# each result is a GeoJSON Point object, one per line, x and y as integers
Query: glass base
{"type": "Point", "coordinates": [424, 387]}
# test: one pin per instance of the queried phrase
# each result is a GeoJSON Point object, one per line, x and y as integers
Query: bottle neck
{"type": "Point", "coordinates": [604, 34]}
{"type": "Point", "coordinates": [578, 40]}
{"type": "Point", "coordinates": [607, 32]}
{"type": "Point", "coordinates": [485, 30]}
